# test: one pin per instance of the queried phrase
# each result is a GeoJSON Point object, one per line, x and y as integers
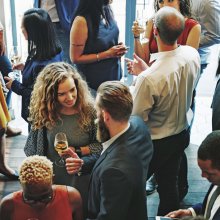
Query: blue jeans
{"type": "Point", "coordinates": [64, 39]}
{"type": "Point", "coordinates": [5, 68]}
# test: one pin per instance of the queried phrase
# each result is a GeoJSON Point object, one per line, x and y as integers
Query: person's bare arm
{"type": "Point", "coordinates": [78, 38]}
{"type": "Point", "coordinates": [6, 207]}
{"type": "Point", "coordinates": [75, 202]}
{"type": "Point", "coordinates": [2, 42]}
{"type": "Point", "coordinates": [193, 38]}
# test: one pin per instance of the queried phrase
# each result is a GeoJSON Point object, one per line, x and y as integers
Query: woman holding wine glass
{"type": "Point", "coordinates": [190, 35]}
{"type": "Point", "coordinates": [43, 48]}
{"type": "Point", "coordinates": [61, 102]}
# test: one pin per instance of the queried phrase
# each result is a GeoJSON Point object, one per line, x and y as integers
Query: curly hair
{"type": "Point", "coordinates": [36, 169]}
{"type": "Point", "coordinates": [44, 105]}
{"type": "Point", "coordinates": [185, 7]}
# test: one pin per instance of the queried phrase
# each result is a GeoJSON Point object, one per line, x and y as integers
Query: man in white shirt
{"type": "Point", "coordinates": [162, 97]}
{"type": "Point", "coordinates": [208, 161]}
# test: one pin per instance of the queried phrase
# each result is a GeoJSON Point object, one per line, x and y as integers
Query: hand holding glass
{"type": "Point", "coordinates": [15, 57]}
{"type": "Point", "coordinates": [60, 144]}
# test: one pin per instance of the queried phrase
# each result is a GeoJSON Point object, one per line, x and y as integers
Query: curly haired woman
{"type": "Point", "coordinates": [61, 102]}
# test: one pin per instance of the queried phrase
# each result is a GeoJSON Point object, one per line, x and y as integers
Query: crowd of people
{"type": "Point", "coordinates": [117, 137]}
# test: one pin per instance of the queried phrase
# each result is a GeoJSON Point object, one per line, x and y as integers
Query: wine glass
{"type": "Point", "coordinates": [141, 22]}
{"type": "Point", "coordinates": [15, 54]}
{"type": "Point", "coordinates": [15, 57]}
{"type": "Point", "coordinates": [60, 145]}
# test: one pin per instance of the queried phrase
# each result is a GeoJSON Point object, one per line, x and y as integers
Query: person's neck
{"type": "Point", "coordinates": [164, 47]}
{"type": "Point", "coordinates": [68, 111]}
{"type": "Point", "coordinates": [117, 127]}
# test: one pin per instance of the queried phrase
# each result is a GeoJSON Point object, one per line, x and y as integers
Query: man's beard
{"type": "Point", "coordinates": [102, 131]}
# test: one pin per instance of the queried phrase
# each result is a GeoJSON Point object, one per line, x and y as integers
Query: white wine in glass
{"type": "Point", "coordinates": [60, 145]}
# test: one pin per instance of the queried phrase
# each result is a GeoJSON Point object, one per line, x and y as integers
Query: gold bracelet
{"type": "Point", "coordinates": [97, 57]}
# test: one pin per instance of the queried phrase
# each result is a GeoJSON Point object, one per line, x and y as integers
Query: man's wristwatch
{"type": "Point", "coordinates": [78, 152]}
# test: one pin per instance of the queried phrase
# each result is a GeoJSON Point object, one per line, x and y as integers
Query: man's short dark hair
{"type": "Point", "coordinates": [169, 23]}
{"type": "Point", "coordinates": [210, 149]}
{"type": "Point", "coordinates": [116, 99]}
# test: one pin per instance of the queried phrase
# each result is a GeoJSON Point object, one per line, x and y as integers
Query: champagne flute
{"type": "Point", "coordinates": [60, 145]}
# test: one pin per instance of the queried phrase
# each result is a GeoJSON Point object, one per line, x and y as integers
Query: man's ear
{"type": "Point", "coordinates": [155, 31]}
{"type": "Point", "coordinates": [105, 115]}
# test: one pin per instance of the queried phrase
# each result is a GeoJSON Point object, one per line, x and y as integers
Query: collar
{"type": "Point", "coordinates": [110, 141]}
{"type": "Point", "coordinates": [160, 55]}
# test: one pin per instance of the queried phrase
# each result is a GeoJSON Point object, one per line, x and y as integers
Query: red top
{"type": "Point", "coordinates": [59, 208]}
{"type": "Point", "coordinates": [189, 24]}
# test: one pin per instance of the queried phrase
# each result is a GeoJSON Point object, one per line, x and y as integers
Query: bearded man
{"type": "Point", "coordinates": [117, 185]}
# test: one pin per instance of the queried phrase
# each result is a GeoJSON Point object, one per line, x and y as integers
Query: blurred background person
{"type": "Point", "coordinates": [61, 13]}
{"type": "Point", "coordinates": [94, 46]}
{"type": "Point", "coordinates": [39, 199]}
{"type": "Point", "coordinates": [4, 119]}
{"type": "Point", "coordinates": [61, 102]}
{"type": "Point", "coordinates": [5, 69]}
{"type": "Point", "coordinates": [43, 48]}
{"type": "Point", "coordinates": [207, 13]}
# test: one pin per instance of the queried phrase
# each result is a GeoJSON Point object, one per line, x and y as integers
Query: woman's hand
{"type": "Point", "coordinates": [137, 29]}
{"type": "Point", "coordinates": [18, 66]}
{"type": "Point", "coordinates": [9, 82]}
{"type": "Point", "coordinates": [117, 51]}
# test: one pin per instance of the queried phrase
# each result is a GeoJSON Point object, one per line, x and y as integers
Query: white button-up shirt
{"type": "Point", "coordinates": [163, 93]}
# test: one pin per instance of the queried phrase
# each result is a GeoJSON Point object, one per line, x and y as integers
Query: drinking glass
{"type": "Point", "coordinates": [60, 145]}
{"type": "Point", "coordinates": [15, 54]}
{"type": "Point", "coordinates": [15, 57]}
{"type": "Point", "coordinates": [141, 21]}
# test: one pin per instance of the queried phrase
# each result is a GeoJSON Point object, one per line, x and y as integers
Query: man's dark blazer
{"type": "Point", "coordinates": [117, 185]}
{"type": "Point", "coordinates": [216, 108]}
{"type": "Point", "coordinates": [200, 207]}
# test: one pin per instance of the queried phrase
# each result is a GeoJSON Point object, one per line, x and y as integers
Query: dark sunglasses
{"type": "Point", "coordinates": [43, 199]}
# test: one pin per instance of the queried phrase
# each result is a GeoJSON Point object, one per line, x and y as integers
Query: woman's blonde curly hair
{"type": "Point", "coordinates": [44, 106]}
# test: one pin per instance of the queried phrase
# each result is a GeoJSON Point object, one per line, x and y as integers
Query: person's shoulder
{"type": "Point", "coordinates": [74, 196]}
{"type": "Point", "coordinates": [136, 121]}
{"type": "Point", "coordinates": [189, 53]}
{"type": "Point", "coordinates": [188, 49]}
{"type": "Point", "coordinates": [6, 204]}
{"type": "Point", "coordinates": [191, 22]}
{"type": "Point", "coordinates": [79, 20]}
